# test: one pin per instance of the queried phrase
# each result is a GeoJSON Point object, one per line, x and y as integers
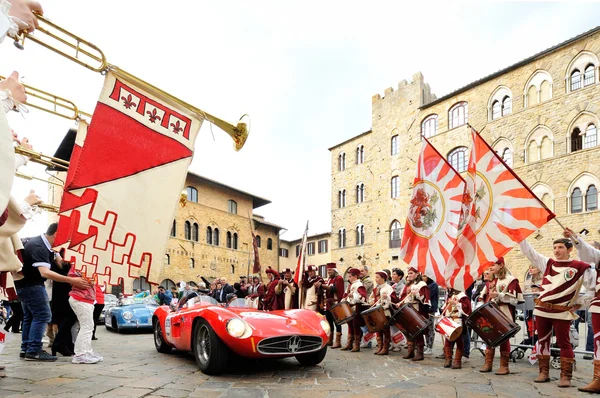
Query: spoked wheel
{"type": "Point", "coordinates": [210, 352]}
{"type": "Point", "coordinates": [159, 340]}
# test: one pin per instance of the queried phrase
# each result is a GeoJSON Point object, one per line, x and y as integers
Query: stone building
{"type": "Point", "coordinates": [541, 115]}
{"type": "Point", "coordinates": [318, 252]}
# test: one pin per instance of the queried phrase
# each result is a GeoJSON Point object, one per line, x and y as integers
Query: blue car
{"type": "Point", "coordinates": [131, 313]}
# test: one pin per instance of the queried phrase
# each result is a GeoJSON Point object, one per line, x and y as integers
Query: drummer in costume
{"type": "Point", "coordinates": [333, 291]}
{"type": "Point", "coordinates": [356, 296]}
{"type": "Point", "coordinates": [256, 293]}
{"type": "Point", "coordinates": [273, 301]}
{"type": "Point", "coordinates": [458, 308]}
{"type": "Point", "coordinates": [416, 292]}
{"type": "Point", "coordinates": [555, 308]}
{"type": "Point", "coordinates": [382, 295]}
{"type": "Point", "coordinates": [590, 254]}
{"type": "Point", "coordinates": [310, 289]}
{"type": "Point", "coordinates": [290, 290]}
{"type": "Point", "coordinates": [505, 291]}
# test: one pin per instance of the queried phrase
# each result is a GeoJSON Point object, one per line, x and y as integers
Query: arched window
{"type": "Point", "coordinates": [232, 206]}
{"type": "Point", "coordinates": [235, 241]}
{"type": "Point", "coordinates": [167, 260]}
{"type": "Point", "coordinates": [545, 91]}
{"type": "Point", "coordinates": [192, 263]}
{"type": "Point", "coordinates": [360, 193]}
{"type": "Point", "coordinates": [575, 80]}
{"type": "Point", "coordinates": [174, 229]}
{"type": "Point", "coordinates": [360, 154]}
{"type": "Point", "coordinates": [395, 235]}
{"type": "Point", "coordinates": [591, 137]}
{"type": "Point", "coordinates": [342, 238]}
{"type": "Point", "coordinates": [591, 198]}
{"type": "Point", "coordinates": [507, 156]}
{"type": "Point", "coordinates": [168, 284]}
{"type": "Point", "coordinates": [394, 145]}
{"type": "Point", "coordinates": [589, 76]}
{"type": "Point", "coordinates": [458, 159]}
{"type": "Point", "coordinates": [395, 186]}
{"type": "Point", "coordinates": [533, 153]}
{"type": "Point", "coordinates": [232, 269]}
{"type": "Point", "coordinates": [496, 110]}
{"type": "Point", "coordinates": [228, 240]}
{"type": "Point", "coordinates": [342, 161]}
{"type": "Point", "coordinates": [360, 235]}
{"type": "Point", "coordinates": [506, 106]}
{"type": "Point", "coordinates": [546, 149]}
{"type": "Point", "coordinates": [458, 115]}
{"type": "Point", "coordinates": [576, 140]}
{"type": "Point", "coordinates": [269, 244]}
{"type": "Point", "coordinates": [547, 201]}
{"type": "Point", "coordinates": [209, 235]}
{"type": "Point", "coordinates": [429, 126]}
{"type": "Point", "coordinates": [192, 194]}
{"type": "Point", "coordinates": [195, 232]}
{"type": "Point", "coordinates": [188, 230]}
{"type": "Point", "coordinates": [216, 237]}
{"type": "Point", "coordinates": [258, 242]}
{"type": "Point", "coordinates": [342, 198]}
{"type": "Point", "coordinates": [532, 96]}
{"type": "Point", "coordinates": [576, 201]}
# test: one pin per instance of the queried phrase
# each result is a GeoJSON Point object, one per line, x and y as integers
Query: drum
{"type": "Point", "coordinates": [410, 321]}
{"type": "Point", "coordinates": [490, 323]}
{"type": "Point", "coordinates": [449, 328]}
{"type": "Point", "coordinates": [375, 319]}
{"type": "Point", "coordinates": [342, 313]}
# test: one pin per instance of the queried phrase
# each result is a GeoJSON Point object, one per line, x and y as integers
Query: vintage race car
{"type": "Point", "coordinates": [131, 313]}
{"type": "Point", "coordinates": [110, 300]}
{"type": "Point", "coordinates": [213, 332]}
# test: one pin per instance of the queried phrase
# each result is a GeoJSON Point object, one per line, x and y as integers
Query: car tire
{"type": "Point", "coordinates": [313, 358]}
{"type": "Point", "coordinates": [210, 352]}
{"type": "Point", "coordinates": [159, 338]}
{"type": "Point", "coordinates": [115, 325]}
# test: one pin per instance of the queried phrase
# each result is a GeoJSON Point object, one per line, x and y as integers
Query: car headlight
{"type": "Point", "coordinates": [325, 326]}
{"type": "Point", "coordinates": [238, 328]}
{"type": "Point", "coordinates": [127, 315]}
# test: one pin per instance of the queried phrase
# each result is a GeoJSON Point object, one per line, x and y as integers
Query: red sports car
{"type": "Point", "coordinates": [214, 331]}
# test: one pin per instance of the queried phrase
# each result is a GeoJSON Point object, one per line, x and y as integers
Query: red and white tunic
{"type": "Point", "coordinates": [334, 291]}
{"type": "Point", "coordinates": [460, 310]}
{"type": "Point", "coordinates": [561, 282]}
{"type": "Point", "coordinates": [590, 254]}
{"type": "Point", "coordinates": [356, 295]}
{"type": "Point", "coordinates": [382, 295]}
{"type": "Point", "coordinates": [509, 294]}
{"type": "Point", "coordinates": [417, 294]}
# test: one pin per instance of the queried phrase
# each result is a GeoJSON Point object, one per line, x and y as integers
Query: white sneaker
{"type": "Point", "coordinates": [365, 345]}
{"type": "Point", "coordinates": [465, 360]}
{"type": "Point", "coordinates": [95, 355]}
{"type": "Point", "coordinates": [84, 359]}
{"type": "Point", "coordinates": [428, 351]}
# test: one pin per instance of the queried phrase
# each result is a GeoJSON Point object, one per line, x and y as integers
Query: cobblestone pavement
{"type": "Point", "coordinates": [133, 368]}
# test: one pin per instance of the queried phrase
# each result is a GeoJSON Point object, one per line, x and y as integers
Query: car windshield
{"type": "Point", "coordinates": [132, 300]}
{"type": "Point", "coordinates": [208, 300]}
{"type": "Point", "coordinates": [110, 299]}
{"type": "Point", "coordinates": [238, 303]}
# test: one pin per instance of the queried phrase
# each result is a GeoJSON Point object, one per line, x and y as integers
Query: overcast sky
{"type": "Point", "coordinates": [305, 72]}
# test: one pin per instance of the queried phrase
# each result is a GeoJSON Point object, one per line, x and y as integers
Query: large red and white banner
{"type": "Point", "coordinates": [127, 170]}
{"type": "Point", "coordinates": [499, 211]}
{"type": "Point", "coordinates": [433, 216]}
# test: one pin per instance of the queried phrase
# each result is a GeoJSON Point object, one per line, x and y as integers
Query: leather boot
{"type": "Point", "coordinates": [544, 366]}
{"type": "Point", "coordinates": [349, 343]}
{"type": "Point", "coordinates": [448, 355]}
{"type": "Point", "coordinates": [594, 386]}
{"type": "Point", "coordinates": [489, 360]}
{"type": "Point", "coordinates": [379, 344]}
{"type": "Point", "coordinates": [419, 355]}
{"type": "Point", "coordinates": [411, 350]}
{"type": "Point", "coordinates": [457, 362]}
{"type": "Point", "coordinates": [338, 340]}
{"type": "Point", "coordinates": [330, 340]}
{"type": "Point", "coordinates": [504, 359]}
{"type": "Point", "coordinates": [357, 340]}
{"type": "Point", "coordinates": [387, 342]}
{"type": "Point", "coordinates": [566, 372]}
{"type": "Point", "coordinates": [50, 333]}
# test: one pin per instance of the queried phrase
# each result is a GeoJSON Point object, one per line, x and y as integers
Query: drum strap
{"type": "Point", "coordinates": [550, 306]}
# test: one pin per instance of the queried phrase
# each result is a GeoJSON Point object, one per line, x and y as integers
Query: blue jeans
{"type": "Point", "coordinates": [36, 316]}
{"type": "Point", "coordinates": [589, 343]}
{"type": "Point", "coordinates": [466, 338]}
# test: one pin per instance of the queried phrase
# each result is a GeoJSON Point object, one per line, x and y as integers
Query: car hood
{"type": "Point", "coordinates": [284, 322]}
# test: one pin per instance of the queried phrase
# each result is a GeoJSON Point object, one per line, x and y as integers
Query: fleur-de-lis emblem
{"type": "Point", "coordinates": [128, 102]}
{"type": "Point", "coordinates": [153, 116]}
{"type": "Point", "coordinates": [177, 128]}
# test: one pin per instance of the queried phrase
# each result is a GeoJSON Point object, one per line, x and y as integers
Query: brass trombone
{"type": "Point", "coordinates": [38, 157]}
{"type": "Point", "coordinates": [30, 177]}
{"type": "Point", "coordinates": [87, 54]}
{"type": "Point", "coordinates": [47, 207]}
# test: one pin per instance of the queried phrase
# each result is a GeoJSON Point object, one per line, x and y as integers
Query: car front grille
{"type": "Point", "coordinates": [289, 345]}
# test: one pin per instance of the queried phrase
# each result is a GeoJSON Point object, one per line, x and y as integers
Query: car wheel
{"type": "Point", "coordinates": [313, 358]}
{"type": "Point", "coordinates": [210, 352]}
{"type": "Point", "coordinates": [115, 325]}
{"type": "Point", "coordinates": [159, 340]}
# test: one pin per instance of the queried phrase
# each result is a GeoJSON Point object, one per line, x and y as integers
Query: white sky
{"type": "Point", "coordinates": [304, 72]}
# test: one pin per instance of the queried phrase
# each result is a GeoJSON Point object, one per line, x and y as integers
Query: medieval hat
{"type": "Point", "coordinates": [311, 268]}
{"type": "Point", "coordinates": [382, 274]}
{"type": "Point", "coordinates": [354, 272]}
{"type": "Point", "coordinates": [272, 271]}
{"type": "Point", "coordinates": [413, 269]}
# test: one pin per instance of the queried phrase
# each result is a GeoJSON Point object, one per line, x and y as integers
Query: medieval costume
{"type": "Point", "coordinates": [416, 293]}
{"type": "Point", "coordinates": [256, 294]}
{"type": "Point", "coordinates": [458, 308]}
{"type": "Point", "coordinates": [311, 284]}
{"type": "Point", "coordinates": [332, 291]}
{"type": "Point", "coordinates": [382, 295]}
{"type": "Point", "coordinates": [356, 296]}
{"type": "Point", "coordinates": [273, 301]}
{"type": "Point", "coordinates": [290, 290]}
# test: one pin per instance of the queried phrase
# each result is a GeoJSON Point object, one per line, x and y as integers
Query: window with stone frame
{"type": "Point", "coordinates": [591, 137]}
{"type": "Point", "coordinates": [576, 140]}
{"type": "Point", "coordinates": [589, 75]}
{"type": "Point", "coordinates": [458, 159]}
{"type": "Point", "coordinates": [395, 234]}
{"type": "Point", "coordinates": [209, 236]}
{"type": "Point", "coordinates": [576, 201]}
{"type": "Point", "coordinates": [429, 126]}
{"type": "Point", "coordinates": [342, 161]}
{"type": "Point", "coordinates": [395, 186]}
{"type": "Point", "coordinates": [342, 238]}
{"type": "Point", "coordinates": [269, 244]}
{"type": "Point", "coordinates": [360, 235]}
{"type": "Point", "coordinates": [394, 145]}
{"type": "Point", "coordinates": [591, 198]}
{"type": "Point", "coordinates": [575, 80]}
{"type": "Point", "coordinates": [458, 115]}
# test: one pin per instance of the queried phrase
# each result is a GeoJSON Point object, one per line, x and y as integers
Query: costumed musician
{"type": "Point", "coordinates": [505, 291]}
{"type": "Point", "coordinates": [333, 291]}
{"type": "Point", "coordinates": [273, 300]}
{"type": "Point", "coordinates": [356, 296]}
{"type": "Point", "coordinates": [382, 295]}
{"type": "Point", "coordinates": [458, 308]}
{"type": "Point", "coordinates": [290, 290]}
{"type": "Point", "coordinates": [556, 305]}
{"type": "Point", "coordinates": [311, 282]}
{"type": "Point", "coordinates": [256, 293]}
{"type": "Point", "coordinates": [416, 292]}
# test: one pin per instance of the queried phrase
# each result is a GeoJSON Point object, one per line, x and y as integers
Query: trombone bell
{"type": "Point", "coordinates": [37, 157]}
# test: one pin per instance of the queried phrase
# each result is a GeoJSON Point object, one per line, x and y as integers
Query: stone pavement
{"type": "Point", "coordinates": [133, 368]}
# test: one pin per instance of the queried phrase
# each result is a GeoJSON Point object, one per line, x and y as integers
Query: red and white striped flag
{"type": "Point", "coordinates": [499, 211]}
{"type": "Point", "coordinates": [300, 265]}
{"type": "Point", "coordinates": [432, 222]}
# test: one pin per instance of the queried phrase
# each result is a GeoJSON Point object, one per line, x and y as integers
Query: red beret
{"type": "Point", "coordinates": [272, 271]}
{"type": "Point", "coordinates": [287, 270]}
{"type": "Point", "coordinates": [382, 274]}
{"type": "Point", "coordinates": [331, 266]}
{"type": "Point", "coordinates": [354, 271]}
{"type": "Point", "coordinates": [500, 261]}
{"type": "Point", "coordinates": [413, 269]}
{"type": "Point", "coordinates": [311, 268]}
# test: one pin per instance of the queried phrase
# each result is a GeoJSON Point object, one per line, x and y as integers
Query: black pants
{"type": "Point", "coordinates": [97, 311]}
{"type": "Point", "coordinates": [63, 341]}
{"type": "Point", "coordinates": [329, 316]}
{"type": "Point", "coordinates": [15, 319]}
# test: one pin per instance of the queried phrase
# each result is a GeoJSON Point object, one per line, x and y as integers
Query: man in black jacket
{"type": "Point", "coordinates": [226, 288]}
{"type": "Point", "coordinates": [434, 298]}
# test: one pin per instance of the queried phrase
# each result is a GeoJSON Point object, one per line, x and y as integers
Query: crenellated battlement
{"type": "Point", "coordinates": [415, 89]}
